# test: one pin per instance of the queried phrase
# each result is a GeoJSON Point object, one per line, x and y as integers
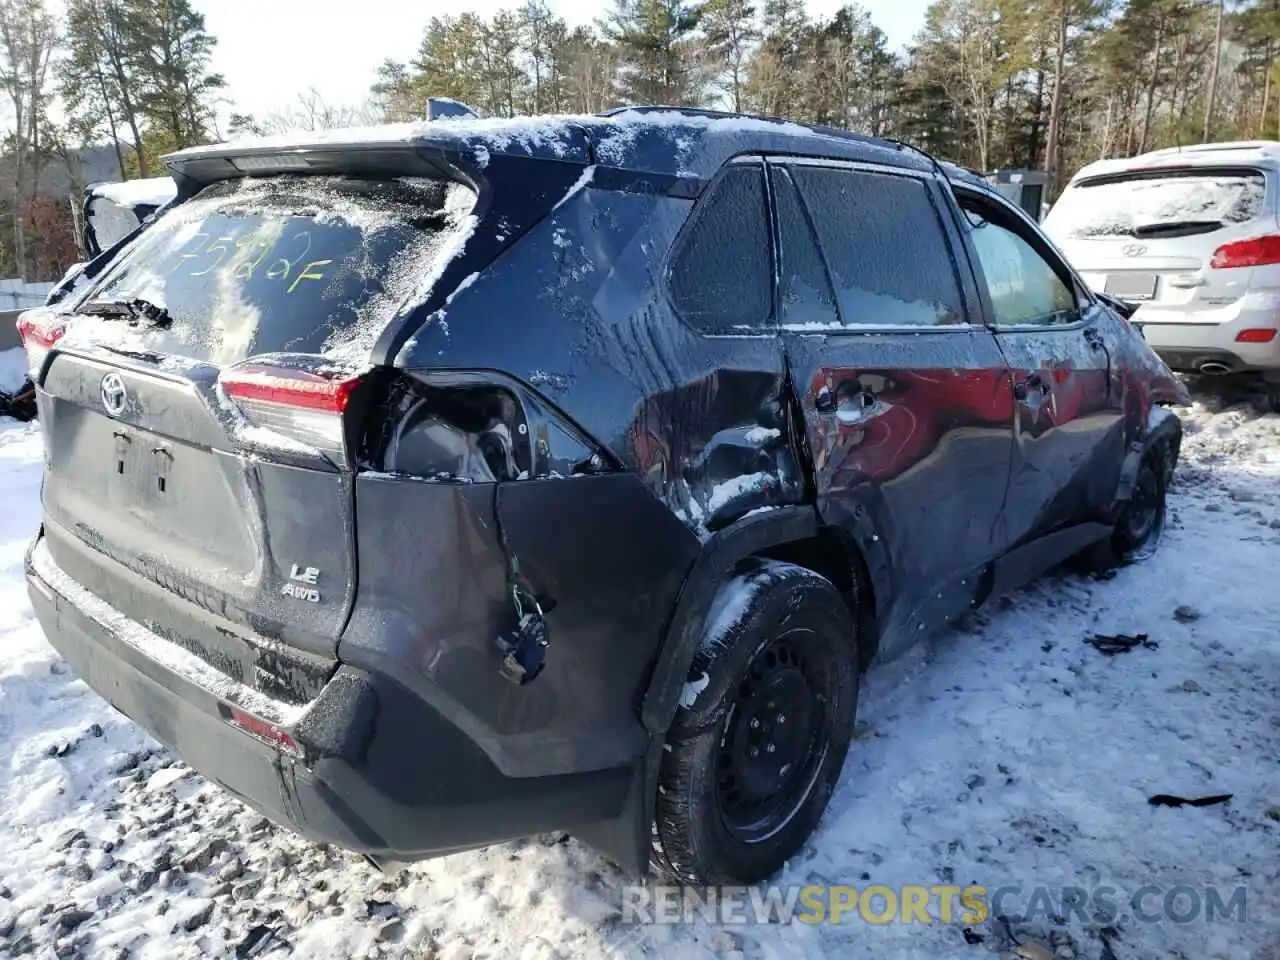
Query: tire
{"type": "Point", "coordinates": [780, 647]}
{"type": "Point", "coordinates": [1140, 526]}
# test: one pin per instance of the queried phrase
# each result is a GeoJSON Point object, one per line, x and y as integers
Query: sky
{"type": "Point", "coordinates": [270, 50]}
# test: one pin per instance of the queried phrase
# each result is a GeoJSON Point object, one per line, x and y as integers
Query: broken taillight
{"type": "Point", "coordinates": [286, 405]}
{"type": "Point", "coordinates": [39, 329]}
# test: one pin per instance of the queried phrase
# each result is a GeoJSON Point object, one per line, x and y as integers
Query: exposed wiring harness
{"type": "Point", "coordinates": [21, 404]}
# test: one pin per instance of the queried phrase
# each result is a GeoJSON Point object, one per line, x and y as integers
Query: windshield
{"type": "Point", "coordinates": [1119, 205]}
{"type": "Point", "coordinates": [282, 264]}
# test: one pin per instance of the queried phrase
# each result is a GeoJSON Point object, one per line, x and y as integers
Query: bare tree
{"type": "Point", "coordinates": [27, 40]}
{"type": "Point", "coordinates": [310, 111]}
{"type": "Point", "coordinates": [1212, 94]}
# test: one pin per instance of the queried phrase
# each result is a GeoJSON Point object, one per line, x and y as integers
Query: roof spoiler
{"type": "Point", "coordinates": [438, 107]}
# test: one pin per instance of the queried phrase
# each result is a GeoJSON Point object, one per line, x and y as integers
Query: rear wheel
{"type": "Point", "coordinates": [760, 739]}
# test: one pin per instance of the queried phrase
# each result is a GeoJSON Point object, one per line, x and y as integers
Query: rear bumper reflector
{"type": "Point", "coordinates": [257, 727]}
{"type": "Point", "coordinates": [1256, 335]}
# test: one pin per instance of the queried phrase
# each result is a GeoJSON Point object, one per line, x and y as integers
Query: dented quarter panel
{"type": "Point", "coordinates": [579, 311]}
{"type": "Point", "coordinates": [605, 560]}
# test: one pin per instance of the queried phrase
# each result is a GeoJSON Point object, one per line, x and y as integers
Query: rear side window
{"type": "Point", "coordinates": [721, 272]}
{"type": "Point", "coordinates": [1167, 203]}
{"type": "Point", "coordinates": [806, 300]}
{"type": "Point", "coordinates": [287, 264]}
{"type": "Point", "coordinates": [884, 246]}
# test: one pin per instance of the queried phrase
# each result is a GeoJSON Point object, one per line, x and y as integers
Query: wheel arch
{"type": "Point", "coordinates": [794, 534]}
{"type": "Point", "coordinates": [1162, 427]}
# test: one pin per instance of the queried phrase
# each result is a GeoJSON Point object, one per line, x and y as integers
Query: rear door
{"type": "Point", "coordinates": [204, 494]}
{"type": "Point", "coordinates": [1150, 235]}
{"type": "Point", "coordinates": [1069, 396]}
{"type": "Point", "coordinates": [906, 403]}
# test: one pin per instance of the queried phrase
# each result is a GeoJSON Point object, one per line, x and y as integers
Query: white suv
{"type": "Point", "coordinates": [1191, 236]}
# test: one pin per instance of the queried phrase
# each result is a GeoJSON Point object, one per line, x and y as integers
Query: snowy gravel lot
{"type": "Point", "coordinates": [1009, 752]}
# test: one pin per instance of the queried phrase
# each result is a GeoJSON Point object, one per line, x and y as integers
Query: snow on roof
{"type": "Point", "coordinates": [555, 134]}
{"type": "Point", "coordinates": [1197, 155]}
{"type": "Point", "coordinates": [618, 139]}
{"type": "Point", "coordinates": [153, 191]}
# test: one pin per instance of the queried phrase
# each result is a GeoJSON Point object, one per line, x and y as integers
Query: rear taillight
{"type": "Point", "coordinates": [287, 405]}
{"type": "Point", "coordinates": [1253, 252]}
{"type": "Point", "coordinates": [39, 329]}
{"type": "Point", "coordinates": [1256, 335]}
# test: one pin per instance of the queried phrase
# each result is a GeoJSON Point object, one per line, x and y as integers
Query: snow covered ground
{"type": "Point", "coordinates": [1009, 752]}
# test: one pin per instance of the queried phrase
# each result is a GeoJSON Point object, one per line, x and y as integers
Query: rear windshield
{"type": "Point", "coordinates": [1155, 204]}
{"type": "Point", "coordinates": [293, 264]}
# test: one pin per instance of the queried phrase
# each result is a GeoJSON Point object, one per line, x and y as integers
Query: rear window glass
{"type": "Point", "coordinates": [1147, 204]}
{"type": "Point", "coordinates": [292, 264]}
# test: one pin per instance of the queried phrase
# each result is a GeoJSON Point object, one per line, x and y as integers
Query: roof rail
{"type": "Point", "coordinates": [692, 112]}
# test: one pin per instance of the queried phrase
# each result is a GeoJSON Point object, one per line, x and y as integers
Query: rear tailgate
{"type": "Point", "coordinates": [157, 510]}
{"type": "Point", "coordinates": [197, 477]}
{"type": "Point", "coordinates": [1150, 235]}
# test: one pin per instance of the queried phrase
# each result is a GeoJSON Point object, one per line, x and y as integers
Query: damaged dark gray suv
{"type": "Point", "coordinates": [443, 484]}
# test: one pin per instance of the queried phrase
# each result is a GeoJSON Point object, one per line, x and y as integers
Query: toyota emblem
{"type": "Point", "coordinates": [1133, 250]}
{"type": "Point", "coordinates": [114, 394]}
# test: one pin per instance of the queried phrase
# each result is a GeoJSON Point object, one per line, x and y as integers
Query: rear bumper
{"type": "Point", "coordinates": [380, 771]}
{"type": "Point", "coordinates": [1188, 346]}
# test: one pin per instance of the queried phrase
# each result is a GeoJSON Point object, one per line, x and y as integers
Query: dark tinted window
{"type": "Point", "coordinates": [294, 264]}
{"type": "Point", "coordinates": [885, 247]}
{"type": "Point", "coordinates": [721, 273]}
{"type": "Point", "coordinates": [806, 297]}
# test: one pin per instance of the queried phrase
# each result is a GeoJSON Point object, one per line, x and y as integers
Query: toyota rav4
{"type": "Point", "coordinates": [442, 484]}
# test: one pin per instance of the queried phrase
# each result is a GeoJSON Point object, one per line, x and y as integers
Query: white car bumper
{"type": "Point", "coordinates": [1188, 339]}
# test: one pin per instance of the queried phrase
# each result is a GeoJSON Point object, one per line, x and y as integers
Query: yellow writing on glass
{"type": "Point", "coordinates": [241, 256]}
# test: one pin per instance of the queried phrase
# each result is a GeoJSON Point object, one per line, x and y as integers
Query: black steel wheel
{"type": "Point", "coordinates": [757, 748]}
{"type": "Point", "coordinates": [1142, 522]}
{"type": "Point", "coordinates": [775, 737]}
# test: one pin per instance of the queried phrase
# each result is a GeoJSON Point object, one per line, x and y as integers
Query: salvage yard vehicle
{"type": "Point", "coordinates": [443, 484]}
{"type": "Point", "coordinates": [1191, 237]}
{"type": "Point", "coordinates": [113, 210]}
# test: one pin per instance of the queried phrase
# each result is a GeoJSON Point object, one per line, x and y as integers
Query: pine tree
{"type": "Point", "coordinates": [503, 80]}
{"type": "Point", "coordinates": [97, 77]}
{"type": "Point", "coordinates": [656, 51]}
{"type": "Point", "coordinates": [1067, 22]}
{"type": "Point", "coordinates": [170, 50]}
{"type": "Point", "coordinates": [27, 38]}
{"type": "Point", "coordinates": [773, 77]}
{"type": "Point", "coordinates": [731, 31]}
{"type": "Point", "coordinates": [540, 30]}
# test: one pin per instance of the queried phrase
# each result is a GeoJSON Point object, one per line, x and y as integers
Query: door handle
{"type": "Point", "coordinates": [825, 400]}
{"type": "Point", "coordinates": [1023, 388]}
{"type": "Point", "coordinates": [850, 409]}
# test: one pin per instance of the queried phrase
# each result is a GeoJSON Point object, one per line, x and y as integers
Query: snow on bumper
{"type": "Point", "coordinates": [371, 775]}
